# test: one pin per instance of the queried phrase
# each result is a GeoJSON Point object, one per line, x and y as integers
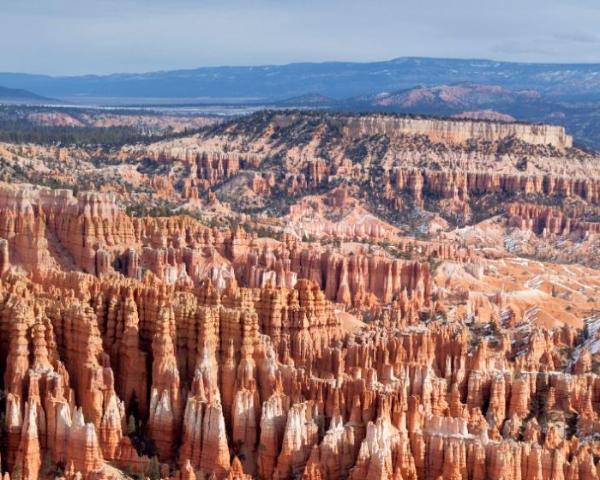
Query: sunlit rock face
{"type": "Point", "coordinates": [274, 380]}
{"type": "Point", "coordinates": [459, 131]}
{"type": "Point", "coordinates": [336, 341]}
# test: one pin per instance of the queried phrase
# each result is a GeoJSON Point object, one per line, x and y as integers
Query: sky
{"type": "Point", "coordinates": [68, 37]}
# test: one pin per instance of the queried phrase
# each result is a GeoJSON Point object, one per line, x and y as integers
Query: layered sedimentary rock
{"type": "Point", "coordinates": [209, 167]}
{"type": "Point", "coordinates": [461, 186]}
{"type": "Point", "coordinates": [454, 131]}
{"type": "Point", "coordinates": [352, 279]}
{"type": "Point", "coordinates": [458, 131]}
{"type": "Point", "coordinates": [338, 215]}
{"type": "Point", "coordinates": [92, 234]}
{"type": "Point", "coordinates": [548, 221]}
{"type": "Point", "coordinates": [76, 230]}
{"type": "Point", "coordinates": [166, 348]}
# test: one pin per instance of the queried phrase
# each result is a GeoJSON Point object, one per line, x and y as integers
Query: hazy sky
{"type": "Point", "coordinates": [103, 36]}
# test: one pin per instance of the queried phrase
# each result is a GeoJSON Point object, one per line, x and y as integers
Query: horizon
{"type": "Point", "coordinates": [100, 37]}
{"type": "Point", "coordinates": [318, 62]}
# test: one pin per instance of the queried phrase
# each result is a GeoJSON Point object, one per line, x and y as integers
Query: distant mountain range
{"type": "Point", "coordinates": [338, 80]}
{"type": "Point", "coordinates": [18, 95]}
{"type": "Point", "coordinates": [451, 98]}
{"type": "Point", "coordinates": [565, 94]}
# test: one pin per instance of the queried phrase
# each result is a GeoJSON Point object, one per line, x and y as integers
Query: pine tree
{"type": "Point", "coordinates": [154, 469]}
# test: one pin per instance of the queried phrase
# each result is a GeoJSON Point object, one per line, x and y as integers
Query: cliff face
{"type": "Point", "coordinates": [458, 131]}
{"type": "Point", "coordinates": [74, 230]}
{"type": "Point", "coordinates": [209, 167]}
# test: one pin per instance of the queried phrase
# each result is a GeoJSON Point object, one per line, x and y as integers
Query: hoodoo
{"type": "Point", "coordinates": [305, 295]}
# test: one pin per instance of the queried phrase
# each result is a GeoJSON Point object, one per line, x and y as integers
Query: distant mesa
{"type": "Point", "coordinates": [445, 130]}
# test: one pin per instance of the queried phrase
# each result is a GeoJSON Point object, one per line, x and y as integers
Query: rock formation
{"type": "Point", "coordinates": [254, 347]}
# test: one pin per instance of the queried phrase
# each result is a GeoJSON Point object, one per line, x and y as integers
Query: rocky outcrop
{"type": "Point", "coordinates": [357, 279]}
{"type": "Point", "coordinates": [4, 257]}
{"type": "Point", "coordinates": [547, 221]}
{"type": "Point", "coordinates": [48, 227]}
{"type": "Point", "coordinates": [209, 167]}
{"type": "Point", "coordinates": [462, 186]}
{"type": "Point", "coordinates": [92, 234]}
{"type": "Point", "coordinates": [457, 131]}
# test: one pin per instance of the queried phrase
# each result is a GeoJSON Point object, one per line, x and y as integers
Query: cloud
{"type": "Point", "coordinates": [102, 36]}
{"type": "Point", "coordinates": [577, 37]}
